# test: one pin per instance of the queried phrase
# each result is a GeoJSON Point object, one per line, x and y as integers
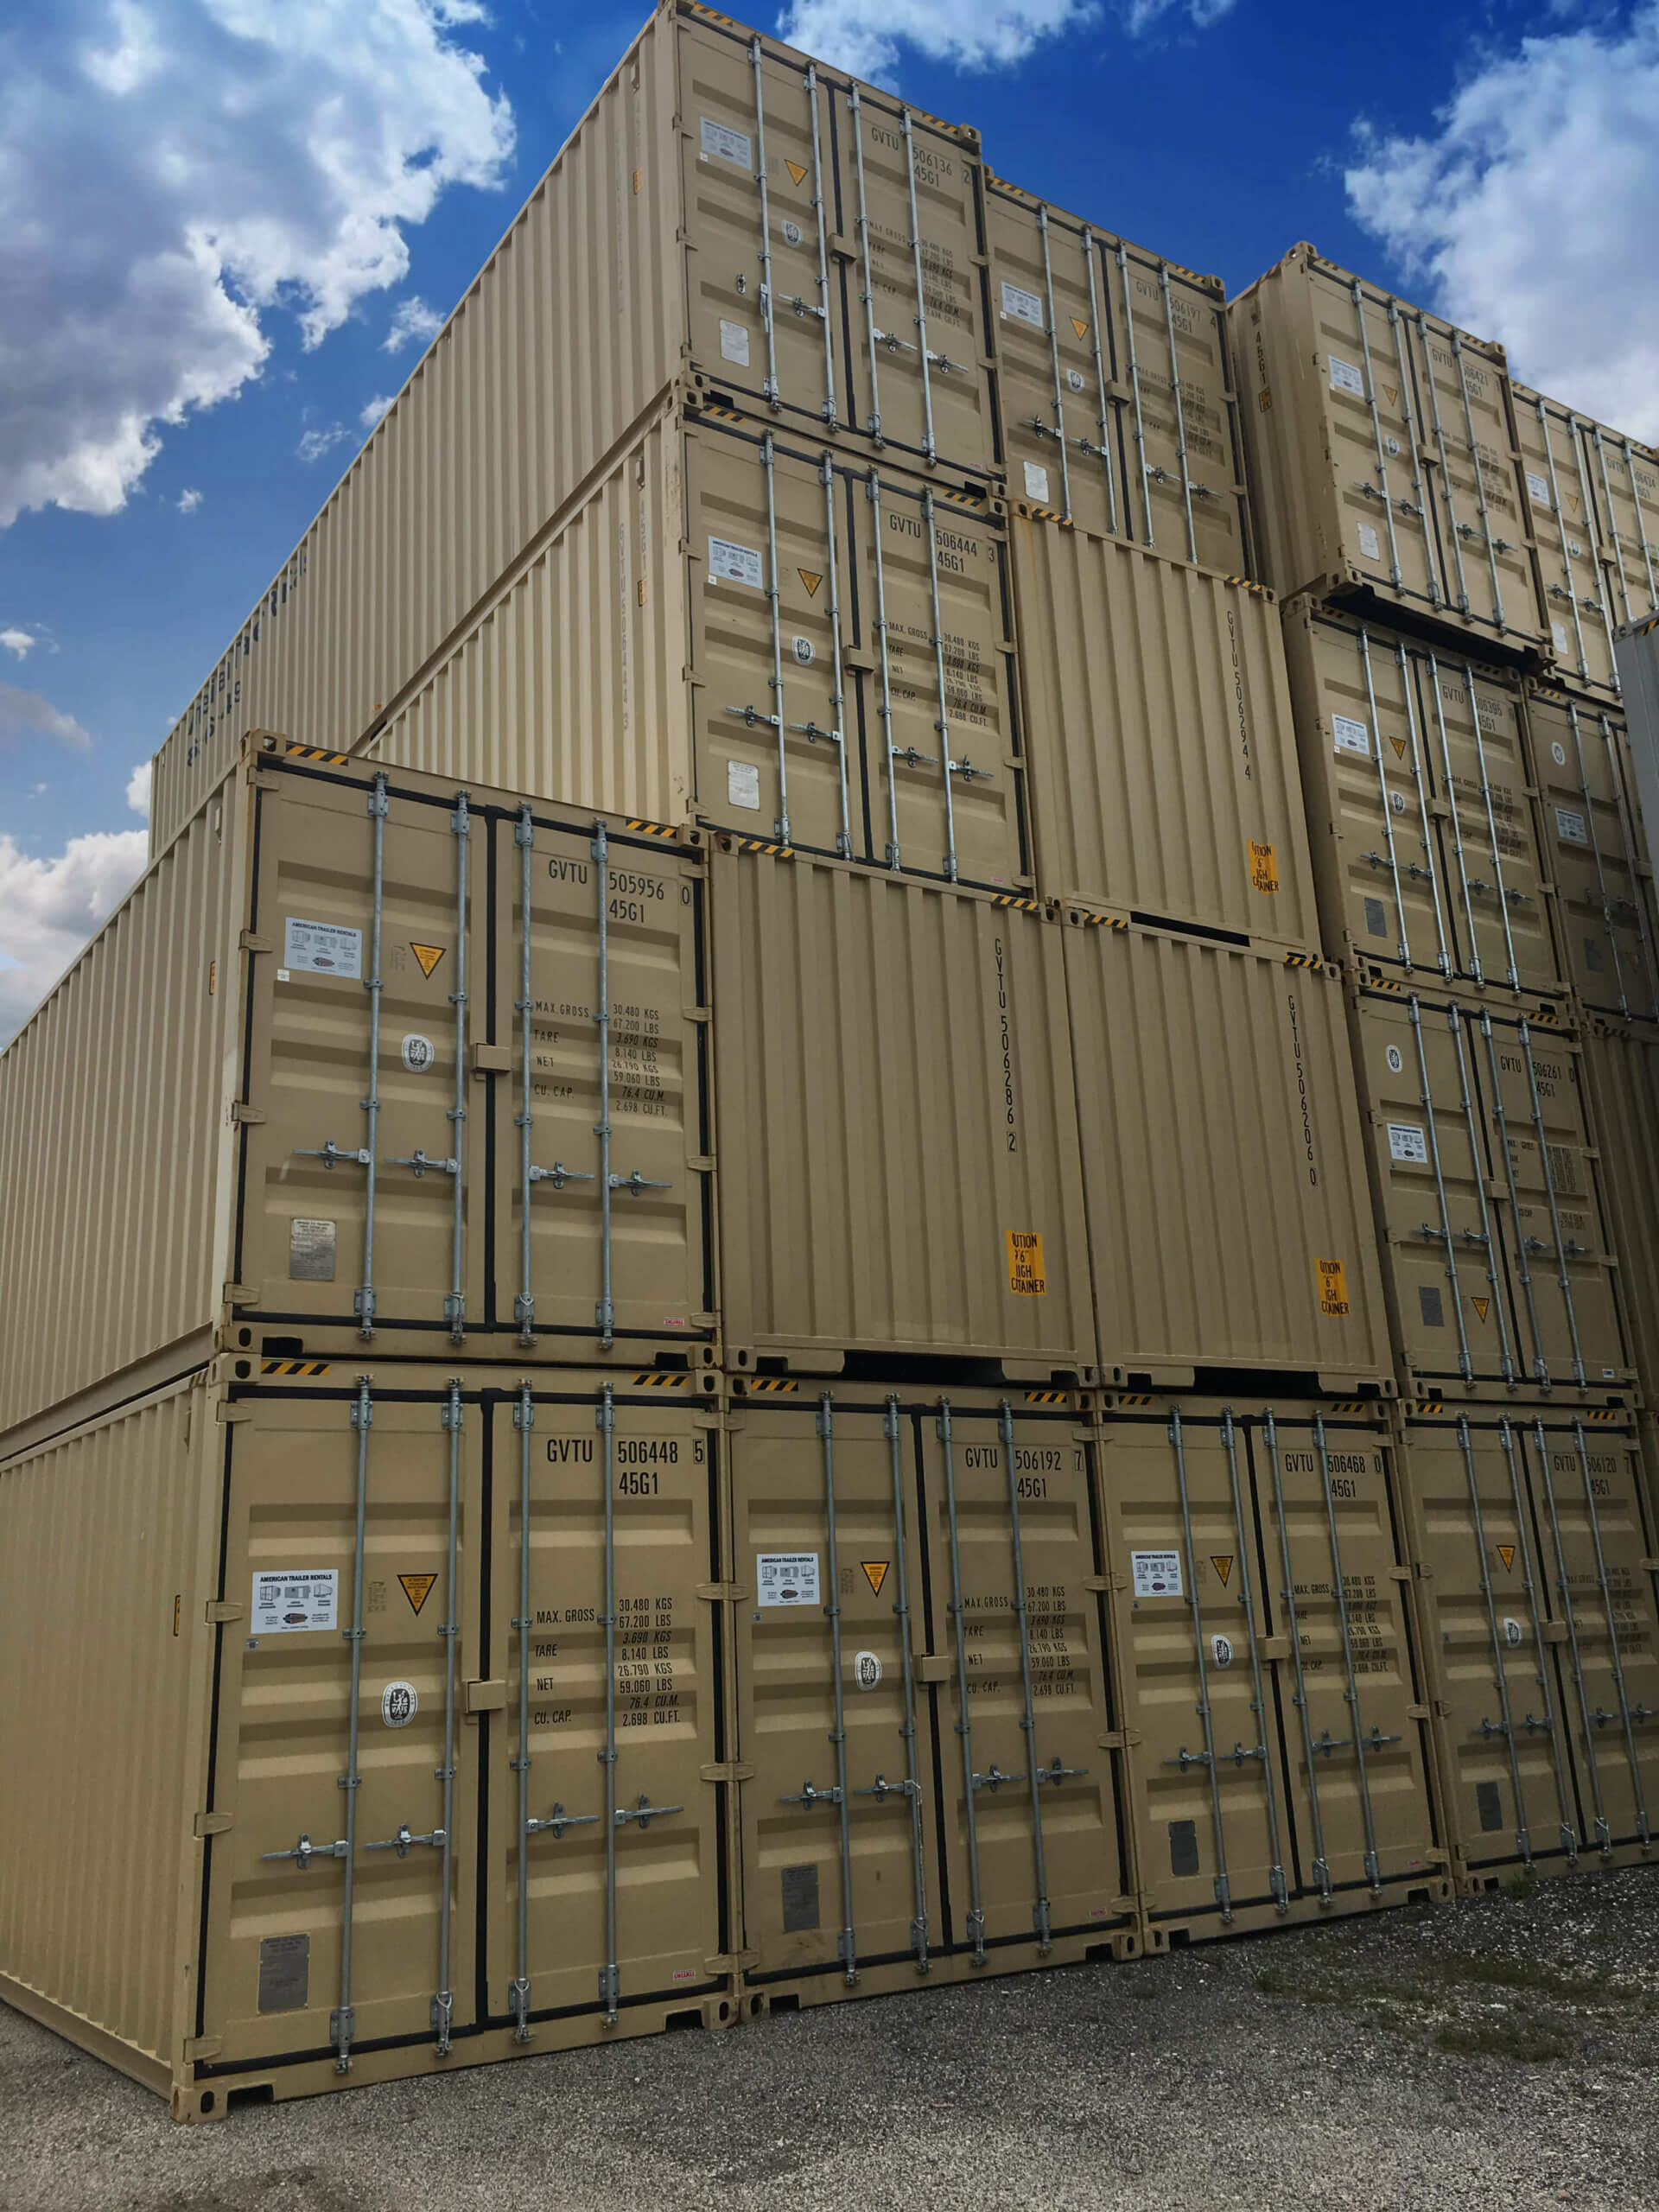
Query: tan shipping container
{"type": "Point", "coordinates": [1598, 851]}
{"type": "Point", "coordinates": [1534, 1577]}
{"type": "Point", "coordinates": [1278, 1766]}
{"type": "Point", "coordinates": [1381, 453]}
{"type": "Point", "coordinates": [809, 246]}
{"type": "Point", "coordinates": [1496, 1240]}
{"type": "Point", "coordinates": [924, 1697]}
{"type": "Point", "coordinates": [1621, 1068]}
{"type": "Point", "coordinates": [742, 629]}
{"type": "Point", "coordinates": [322, 1083]}
{"type": "Point", "coordinates": [1421, 810]}
{"type": "Point", "coordinates": [302, 1601]}
{"type": "Point", "coordinates": [1164, 784]}
{"type": "Point", "coordinates": [1114, 386]}
{"type": "Point", "coordinates": [893, 1074]}
{"type": "Point", "coordinates": [1229, 1224]}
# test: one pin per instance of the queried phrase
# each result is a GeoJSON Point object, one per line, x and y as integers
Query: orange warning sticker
{"type": "Point", "coordinates": [1223, 1563]}
{"type": "Point", "coordinates": [1506, 1552]}
{"type": "Point", "coordinates": [1264, 867]}
{"type": "Point", "coordinates": [1264, 400]}
{"type": "Point", "coordinates": [428, 955]}
{"type": "Point", "coordinates": [1080, 325]}
{"type": "Point", "coordinates": [875, 1572]}
{"type": "Point", "coordinates": [797, 171]}
{"type": "Point", "coordinates": [1480, 1306]}
{"type": "Point", "coordinates": [1332, 1281]}
{"type": "Point", "coordinates": [1026, 1277]}
{"type": "Point", "coordinates": [1391, 393]}
{"type": "Point", "coordinates": [417, 1588]}
{"type": "Point", "coordinates": [1399, 745]}
{"type": "Point", "coordinates": [812, 578]}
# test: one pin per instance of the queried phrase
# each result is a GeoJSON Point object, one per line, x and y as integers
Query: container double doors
{"type": "Point", "coordinates": [1277, 1759]}
{"type": "Point", "coordinates": [458, 1784]}
{"type": "Point", "coordinates": [459, 1128]}
{"type": "Point", "coordinates": [1598, 853]}
{"type": "Point", "coordinates": [1539, 1607]}
{"type": "Point", "coordinates": [922, 1684]}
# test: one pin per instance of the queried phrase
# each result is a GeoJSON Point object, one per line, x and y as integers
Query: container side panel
{"type": "Point", "coordinates": [1622, 1070]}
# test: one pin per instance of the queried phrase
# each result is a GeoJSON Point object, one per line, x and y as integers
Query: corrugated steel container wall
{"type": "Point", "coordinates": [1277, 1763]}
{"type": "Point", "coordinates": [1420, 807]}
{"type": "Point", "coordinates": [1638, 652]}
{"type": "Point", "coordinates": [631, 663]}
{"type": "Point", "coordinates": [1534, 1575]}
{"type": "Point", "coordinates": [1229, 1224]}
{"type": "Point", "coordinates": [1114, 386]}
{"type": "Point", "coordinates": [641, 255]}
{"type": "Point", "coordinates": [1382, 453]}
{"type": "Point", "coordinates": [107, 1554]}
{"type": "Point", "coordinates": [1621, 1067]}
{"type": "Point", "coordinates": [208, 1062]}
{"type": "Point", "coordinates": [1164, 780]}
{"type": "Point", "coordinates": [1598, 850]}
{"type": "Point", "coordinates": [893, 1083]}
{"type": "Point", "coordinates": [114, 1101]}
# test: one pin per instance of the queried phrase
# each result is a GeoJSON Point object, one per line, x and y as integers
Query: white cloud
{"type": "Point", "coordinates": [864, 36]}
{"type": "Point", "coordinates": [171, 170]}
{"type": "Point", "coordinates": [138, 790]}
{"type": "Point", "coordinates": [1531, 214]}
{"type": "Point", "coordinates": [188, 502]}
{"type": "Point", "coordinates": [17, 641]}
{"type": "Point", "coordinates": [1141, 15]}
{"type": "Point", "coordinates": [414, 323]}
{"type": "Point", "coordinates": [26, 718]}
{"type": "Point", "coordinates": [316, 443]}
{"type": "Point", "coordinates": [48, 908]}
{"type": "Point", "coordinates": [368, 417]}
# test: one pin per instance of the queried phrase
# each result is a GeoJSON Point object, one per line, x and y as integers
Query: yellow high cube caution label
{"type": "Point", "coordinates": [1026, 1277]}
{"type": "Point", "coordinates": [1264, 867]}
{"type": "Point", "coordinates": [1333, 1289]}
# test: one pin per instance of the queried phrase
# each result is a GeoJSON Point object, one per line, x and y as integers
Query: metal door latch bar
{"type": "Point", "coordinates": [305, 1851]}
{"type": "Point", "coordinates": [402, 1841]}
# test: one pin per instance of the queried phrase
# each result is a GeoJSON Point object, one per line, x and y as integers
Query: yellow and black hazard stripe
{"type": "Point", "coordinates": [760, 845]}
{"type": "Point", "coordinates": [1020, 905]}
{"type": "Point", "coordinates": [1249, 583]}
{"type": "Point", "coordinates": [661, 1378]}
{"type": "Point", "coordinates": [1603, 1413]}
{"type": "Point", "coordinates": [1133, 1398]}
{"type": "Point", "coordinates": [1304, 960]}
{"type": "Point", "coordinates": [720, 414]}
{"type": "Point", "coordinates": [1048, 1397]}
{"type": "Point", "coordinates": [1081, 916]}
{"type": "Point", "coordinates": [652, 829]}
{"type": "Point", "coordinates": [1056, 515]}
{"type": "Point", "coordinates": [1350, 1405]}
{"type": "Point", "coordinates": [770, 1383]}
{"type": "Point", "coordinates": [315, 753]}
{"type": "Point", "coordinates": [294, 1366]}
{"type": "Point", "coordinates": [1382, 983]}
{"type": "Point", "coordinates": [963, 497]}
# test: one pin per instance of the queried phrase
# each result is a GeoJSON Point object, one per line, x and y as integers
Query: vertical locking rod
{"type": "Point", "coordinates": [838, 698]}
{"type": "Point", "coordinates": [605, 1312]}
{"type": "Point", "coordinates": [1358, 298]}
{"type": "Point", "coordinates": [1523, 1263]}
{"type": "Point", "coordinates": [525, 1304]}
{"type": "Point", "coordinates": [1276, 1881]}
{"type": "Point", "coordinates": [1054, 363]}
{"type": "Point", "coordinates": [1450, 782]}
{"type": "Point", "coordinates": [352, 1781]}
{"type": "Point", "coordinates": [886, 709]}
{"type": "Point", "coordinates": [964, 1726]}
{"type": "Point", "coordinates": [1568, 587]}
{"type": "Point", "coordinates": [1524, 1032]}
{"type": "Point", "coordinates": [1595, 853]}
{"type": "Point", "coordinates": [1180, 409]}
{"type": "Point", "coordinates": [902, 1610]}
{"type": "Point", "coordinates": [610, 1988]}
{"type": "Point", "coordinates": [1373, 1870]}
{"type": "Point", "coordinates": [871, 340]}
{"type": "Point", "coordinates": [1321, 1868]}
{"type": "Point", "coordinates": [1105, 417]}
{"type": "Point", "coordinates": [1641, 528]}
{"type": "Point", "coordinates": [768, 461]}
{"type": "Point", "coordinates": [1564, 1585]}
{"type": "Point", "coordinates": [443, 2004]}
{"type": "Point", "coordinates": [1480, 483]}
{"type": "Point", "coordinates": [1404, 947]}
{"type": "Point", "coordinates": [1612, 523]}
{"type": "Point", "coordinates": [1444, 961]}
{"type": "Point", "coordinates": [946, 763]}
{"type": "Point", "coordinates": [1500, 1672]}
{"type": "Point", "coordinates": [1491, 830]}
{"type": "Point", "coordinates": [847, 1946]}
{"type": "Point", "coordinates": [1454, 529]}
{"type": "Point", "coordinates": [1615, 1660]}
{"type": "Point", "coordinates": [1489, 1242]}
{"type": "Point", "coordinates": [1224, 1889]}
{"type": "Point", "coordinates": [1587, 503]}
{"type": "Point", "coordinates": [378, 808]}
{"type": "Point", "coordinates": [1403, 368]}
{"type": "Point", "coordinates": [1566, 1831]}
{"type": "Point", "coordinates": [824, 253]}
{"type": "Point", "coordinates": [770, 388]}
{"type": "Point", "coordinates": [1135, 388]}
{"type": "Point", "coordinates": [454, 1306]}
{"type": "Point", "coordinates": [523, 1419]}
{"type": "Point", "coordinates": [1448, 1236]}
{"type": "Point", "coordinates": [1040, 1917]}
{"type": "Point", "coordinates": [929, 447]}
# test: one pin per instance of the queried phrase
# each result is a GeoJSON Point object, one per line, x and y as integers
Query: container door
{"type": "Point", "coordinates": [1552, 1216]}
{"type": "Point", "coordinates": [1561, 515]}
{"type": "Point", "coordinates": [361, 1179]}
{"type": "Point", "coordinates": [1581, 760]}
{"type": "Point", "coordinates": [1347, 1703]}
{"type": "Point", "coordinates": [608, 1886]}
{"type": "Point", "coordinates": [1212, 1828]}
{"type": "Point", "coordinates": [1596, 1555]}
{"type": "Point", "coordinates": [341, 1898]}
{"type": "Point", "coordinates": [1415, 1061]}
{"type": "Point", "coordinates": [1503, 1754]}
{"type": "Point", "coordinates": [1028, 1800]}
{"type": "Point", "coordinates": [1625, 482]}
{"type": "Point", "coordinates": [833, 1715]}
{"type": "Point", "coordinates": [601, 1128]}
{"type": "Point", "coordinates": [1490, 867]}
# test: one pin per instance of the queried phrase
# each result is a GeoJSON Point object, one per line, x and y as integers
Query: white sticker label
{"type": "Point", "coordinates": [802, 649]}
{"type": "Point", "coordinates": [1221, 1649]}
{"type": "Point", "coordinates": [1557, 632]}
{"type": "Point", "coordinates": [721, 144]}
{"type": "Point", "coordinates": [1407, 1141]}
{"type": "Point", "coordinates": [1036, 482]}
{"type": "Point", "coordinates": [1391, 447]}
{"type": "Point", "coordinates": [1538, 490]}
{"type": "Point", "coordinates": [743, 785]}
{"type": "Point", "coordinates": [321, 948]}
{"type": "Point", "coordinates": [1369, 543]}
{"type": "Point", "coordinates": [1351, 736]}
{"type": "Point", "coordinates": [419, 1053]}
{"type": "Point", "coordinates": [867, 1669]}
{"type": "Point", "coordinates": [786, 1578]}
{"type": "Point", "coordinates": [1074, 379]}
{"type": "Point", "coordinates": [1397, 802]}
{"type": "Point", "coordinates": [1156, 1574]}
{"type": "Point", "coordinates": [737, 564]}
{"type": "Point", "coordinates": [1024, 307]}
{"type": "Point", "coordinates": [1558, 755]}
{"type": "Point", "coordinates": [289, 1600]}
{"type": "Point", "coordinates": [398, 1704]}
{"type": "Point", "coordinates": [1396, 1060]}
{"type": "Point", "coordinates": [1572, 826]}
{"type": "Point", "coordinates": [1345, 377]}
{"type": "Point", "coordinates": [734, 342]}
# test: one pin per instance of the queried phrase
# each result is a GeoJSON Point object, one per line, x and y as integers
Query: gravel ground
{"type": "Point", "coordinates": [1496, 2053]}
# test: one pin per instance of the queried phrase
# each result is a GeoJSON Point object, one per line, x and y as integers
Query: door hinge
{"type": "Point", "coordinates": [241, 1293]}
{"type": "Point", "coordinates": [203, 2046]}
{"type": "Point", "coordinates": [1555, 1631]}
{"type": "Point", "coordinates": [226, 1411]}
{"type": "Point", "coordinates": [932, 1666]}
{"type": "Point", "coordinates": [727, 1593]}
{"type": "Point", "coordinates": [242, 1112]}
{"type": "Point", "coordinates": [222, 1609]}
{"type": "Point", "coordinates": [731, 1962]}
{"type": "Point", "coordinates": [1099, 1582]}
{"type": "Point", "coordinates": [728, 1771]}
{"type": "Point", "coordinates": [1275, 1647]}
{"type": "Point", "coordinates": [492, 1060]}
{"type": "Point", "coordinates": [249, 941]}
{"type": "Point", "coordinates": [486, 1697]}
{"type": "Point", "coordinates": [1120, 1739]}
{"type": "Point", "coordinates": [211, 1824]}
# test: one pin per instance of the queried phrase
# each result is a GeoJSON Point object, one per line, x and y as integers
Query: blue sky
{"type": "Point", "coordinates": [1217, 134]}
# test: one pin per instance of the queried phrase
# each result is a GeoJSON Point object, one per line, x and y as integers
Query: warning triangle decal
{"type": "Point", "coordinates": [1506, 1552]}
{"type": "Point", "coordinates": [1391, 393]}
{"type": "Point", "coordinates": [1480, 1306]}
{"type": "Point", "coordinates": [797, 171]}
{"type": "Point", "coordinates": [1572, 501]}
{"type": "Point", "coordinates": [428, 955]}
{"type": "Point", "coordinates": [1399, 745]}
{"type": "Point", "coordinates": [417, 1588]}
{"type": "Point", "coordinates": [812, 578]}
{"type": "Point", "coordinates": [875, 1572]}
{"type": "Point", "coordinates": [1080, 325]}
{"type": "Point", "coordinates": [1223, 1563]}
